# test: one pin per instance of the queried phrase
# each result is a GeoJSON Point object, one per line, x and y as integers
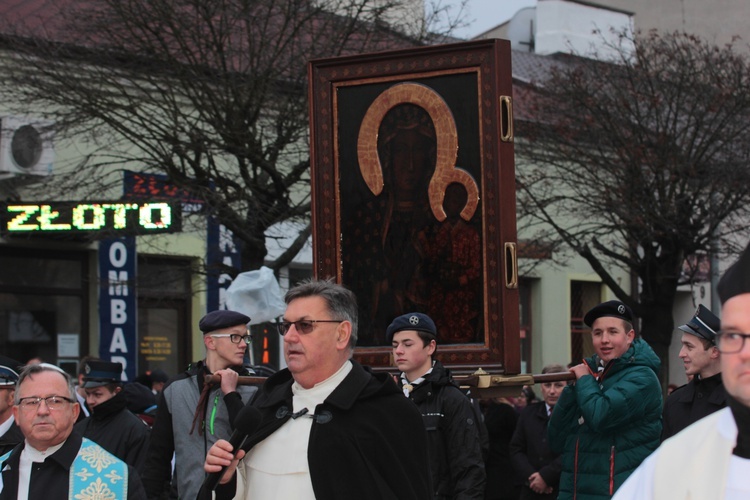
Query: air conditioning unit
{"type": "Point", "coordinates": [26, 147]}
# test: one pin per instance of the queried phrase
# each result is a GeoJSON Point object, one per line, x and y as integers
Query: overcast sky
{"type": "Point", "coordinates": [485, 14]}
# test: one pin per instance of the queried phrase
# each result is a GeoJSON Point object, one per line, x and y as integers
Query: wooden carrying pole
{"type": "Point", "coordinates": [482, 385]}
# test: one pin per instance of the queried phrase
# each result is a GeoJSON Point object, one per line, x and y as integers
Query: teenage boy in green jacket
{"type": "Point", "coordinates": [610, 420]}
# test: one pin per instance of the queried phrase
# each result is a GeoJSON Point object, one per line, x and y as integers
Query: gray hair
{"type": "Point", "coordinates": [554, 368]}
{"type": "Point", "coordinates": [34, 369]}
{"type": "Point", "coordinates": [341, 302]}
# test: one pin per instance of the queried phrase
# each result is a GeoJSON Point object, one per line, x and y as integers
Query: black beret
{"type": "Point", "coordinates": [611, 308]}
{"type": "Point", "coordinates": [736, 280]}
{"type": "Point", "coordinates": [218, 320]}
{"type": "Point", "coordinates": [411, 321]}
{"type": "Point", "coordinates": [703, 324]}
{"type": "Point", "coordinates": [99, 373]}
{"type": "Point", "coordinates": [9, 369]}
{"type": "Point", "coordinates": [159, 375]}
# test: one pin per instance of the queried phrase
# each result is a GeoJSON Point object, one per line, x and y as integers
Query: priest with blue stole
{"type": "Point", "coordinates": [54, 462]}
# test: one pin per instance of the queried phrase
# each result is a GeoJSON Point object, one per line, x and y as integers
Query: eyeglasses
{"type": "Point", "coordinates": [730, 342]}
{"type": "Point", "coordinates": [52, 402]}
{"type": "Point", "coordinates": [236, 338]}
{"type": "Point", "coordinates": [303, 326]}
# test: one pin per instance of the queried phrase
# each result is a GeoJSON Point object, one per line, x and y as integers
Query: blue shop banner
{"type": "Point", "coordinates": [222, 251]}
{"type": "Point", "coordinates": [118, 307]}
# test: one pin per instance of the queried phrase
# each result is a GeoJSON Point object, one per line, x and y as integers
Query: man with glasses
{"type": "Point", "coordinates": [191, 417]}
{"type": "Point", "coordinates": [331, 429]}
{"type": "Point", "coordinates": [711, 458]}
{"type": "Point", "coordinates": [55, 462]}
{"type": "Point", "coordinates": [705, 393]}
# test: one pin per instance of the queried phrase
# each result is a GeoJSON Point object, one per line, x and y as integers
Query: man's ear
{"type": "Point", "coordinates": [343, 334]}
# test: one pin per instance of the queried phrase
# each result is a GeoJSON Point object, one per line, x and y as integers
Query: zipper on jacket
{"type": "Point", "coordinates": [575, 471]}
{"type": "Point", "coordinates": [612, 471]}
{"type": "Point", "coordinates": [213, 414]}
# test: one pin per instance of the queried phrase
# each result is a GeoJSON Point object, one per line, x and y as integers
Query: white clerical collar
{"type": "Point", "coordinates": [35, 455]}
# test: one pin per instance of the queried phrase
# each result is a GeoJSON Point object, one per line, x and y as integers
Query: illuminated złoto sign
{"type": "Point", "coordinates": [125, 217]}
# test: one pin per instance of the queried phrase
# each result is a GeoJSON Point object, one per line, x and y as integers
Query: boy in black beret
{"type": "Point", "coordinates": [453, 432]}
{"type": "Point", "coordinates": [610, 420]}
{"type": "Point", "coordinates": [111, 425]}
{"type": "Point", "coordinates": [192, 416]}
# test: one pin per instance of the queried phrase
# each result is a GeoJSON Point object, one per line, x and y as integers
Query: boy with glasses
{"type": "Point", "coordinates": [190, 418]}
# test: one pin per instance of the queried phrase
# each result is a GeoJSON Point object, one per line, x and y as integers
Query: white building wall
{"type": "Point", "coordinates": [571, 27]}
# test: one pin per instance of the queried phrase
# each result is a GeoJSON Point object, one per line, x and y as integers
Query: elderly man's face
{"type": "Point", "coordinates": [41, 426]}
{"type": "Point", "coordinates": [735, 367]}
{"type": "Point", "coordinates": [315, 356]}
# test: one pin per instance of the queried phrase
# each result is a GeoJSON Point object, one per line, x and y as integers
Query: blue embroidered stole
{"type": "Point", "coordinates": [95, 474]}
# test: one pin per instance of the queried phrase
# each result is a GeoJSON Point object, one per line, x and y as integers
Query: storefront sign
{"type": "Point", "coordinates": [117, 304]}
{"type": "Point", "coordinates": [131, 218]}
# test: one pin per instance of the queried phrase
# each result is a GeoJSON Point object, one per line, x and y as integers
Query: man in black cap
{"type": "Point", "coordinates": [10, 434]}
{"type": "Point", "coordinates": [711, 458]}
{"type": "Point", "coordinates": [192, 416]}
{"type": "Point", "coordinates": [610, 420]}
{"type": "Point", "coordinates": [453, 434]}
{"type": "Point", "coordinates": [111, 425]}
{"type": "Point", "coordinates": [705, 393]}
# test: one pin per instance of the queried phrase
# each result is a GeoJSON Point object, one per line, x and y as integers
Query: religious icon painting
{"type": "Point", "coordinates": [414, 195]}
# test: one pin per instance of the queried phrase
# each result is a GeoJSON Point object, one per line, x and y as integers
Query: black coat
{"type": "Point", "coordinates": [373, 447]}
{"type": "Point", "coordinates": [530, 453]}
{"type": "Point", "coordinates": [113, 427]}
{"type": "Point", "coordinates": [502, 483]}
{"type": "Point", "coordinates": [691, 402]}
{"type": "Point", "coordinates": [453, 436]}
{"type": "Point", "coordinates": [49, 480]}
{"type": "Point", "coordinates": [10, 439]}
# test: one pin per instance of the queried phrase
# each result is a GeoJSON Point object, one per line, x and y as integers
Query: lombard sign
{"type": "Point", "coordinates": [118, 304]}
{"type": "Point", "coordinates": [114, 218]}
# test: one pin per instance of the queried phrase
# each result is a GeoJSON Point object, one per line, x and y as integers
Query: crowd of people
{"type": "Point", "coordinates": [327, 427]}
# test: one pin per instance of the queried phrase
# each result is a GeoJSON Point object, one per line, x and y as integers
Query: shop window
{"type": "Point", "coordinates": [583, 296]}
{"type": "Point", "coordinates": [43, 311]}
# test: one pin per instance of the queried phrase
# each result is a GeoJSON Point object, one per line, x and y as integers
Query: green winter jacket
{"type": "Point", "coordinates": [604, 429]}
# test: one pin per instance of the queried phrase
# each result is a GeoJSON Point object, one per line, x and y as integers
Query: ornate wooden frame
{"type": "Point", "coordinates": [465, 88]}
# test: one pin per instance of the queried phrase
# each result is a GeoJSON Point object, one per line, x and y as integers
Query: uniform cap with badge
{"type": "Point", "coordinates": [703, 324]}
{"type": "Point", "coordinates": [9, 369]}
{"type": "Point", "coordinates": [99, 373]}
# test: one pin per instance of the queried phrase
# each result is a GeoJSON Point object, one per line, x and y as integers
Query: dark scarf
{"type": "Point", "coordinates": [115, 404]}
{"type": "Point", "coordinates": [741, 415]}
